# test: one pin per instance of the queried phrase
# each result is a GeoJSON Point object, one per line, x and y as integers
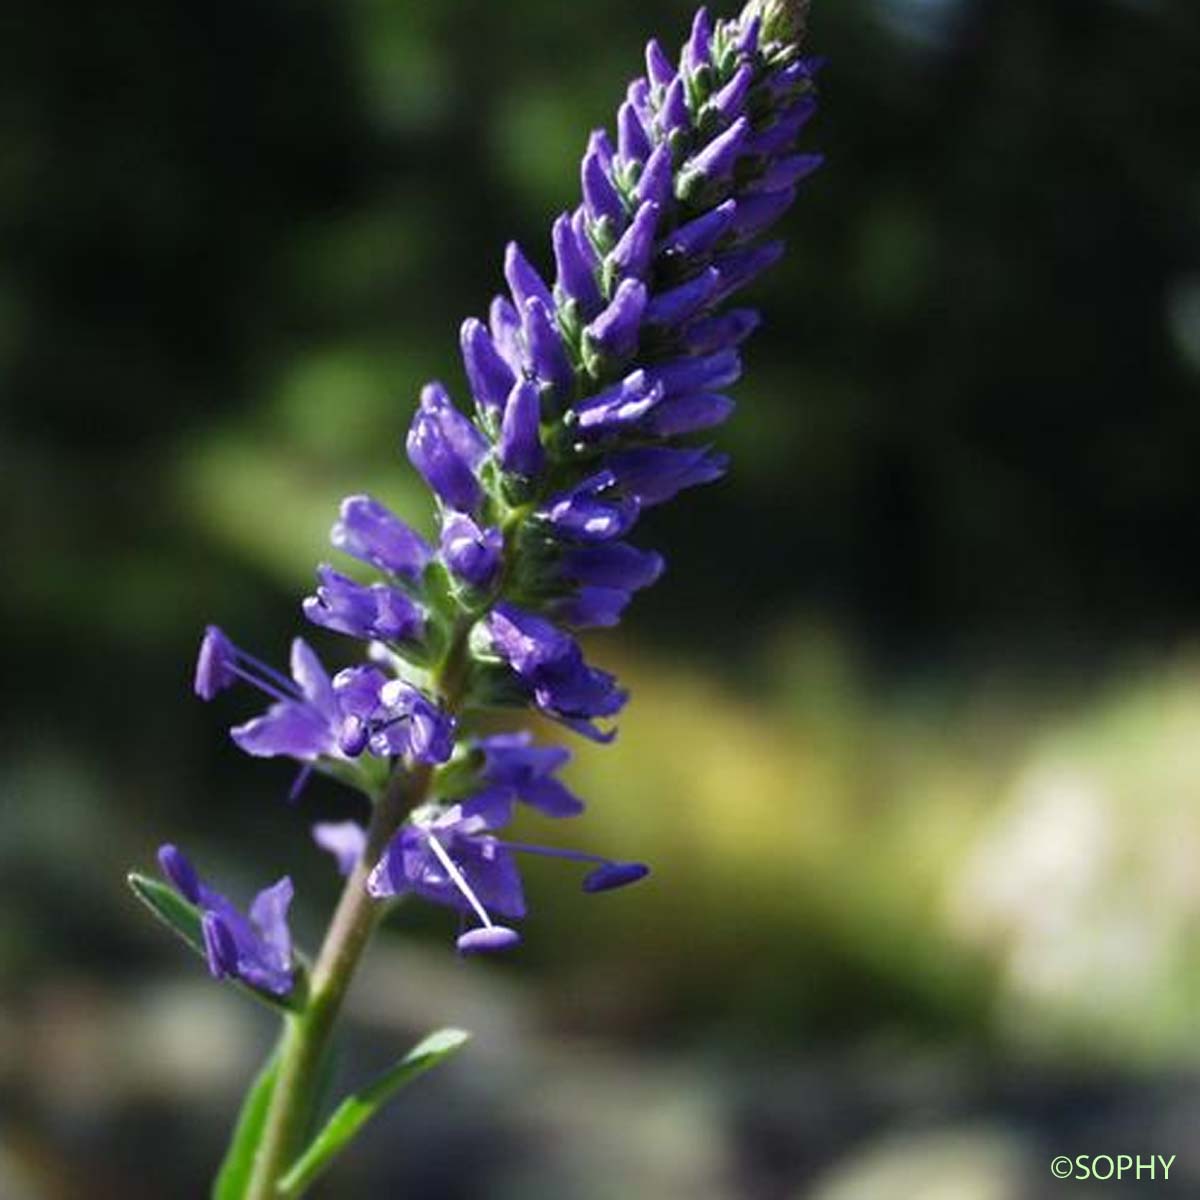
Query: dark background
{"type": "Point", "coordinates": [917, 707]}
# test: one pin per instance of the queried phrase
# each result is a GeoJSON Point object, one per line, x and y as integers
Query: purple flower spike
{"type": "Point", "coordinates": [520, 448]}
{"type": "Point", "coordinates": [446, 448]}
{"type": "Point", "coordinates": [215, 665]}
{"type": "Point", "coordinates": [614, 875]}
{"type": "Point", "coordinates": [580, 392]}
{"type": "Point", "coordinates": [796, 76]}
{"type": "Point", "coordinates": [490, 377]}
{"type": "Point", "coordinates": [255, 948]}
{"type": "Point", "coordinates": [368, 531]}
{"type": "Point", "coordinates": [471, 553]}
{"type": "Point", "coordinates": [488, 940]}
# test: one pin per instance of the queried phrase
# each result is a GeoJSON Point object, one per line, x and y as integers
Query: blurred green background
{"type": "Point", "coordinates": [915, 740]}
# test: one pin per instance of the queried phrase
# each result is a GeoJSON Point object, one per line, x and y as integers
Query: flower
{"type": "Point", "coordinates": [551, 665]}
{"type": "Point", "coordinates": [511, 760]}
{"type": "Point", "coordinates": [446, 448]}
{"type": "Point", "coordinates": [316, 717]}
{"type": "Point", "coordinates": [471, 553]}
{"type": "Point", "coordinates": [254, 948]}
{"type": "Point", "coordinates": [520, 449]}
{"type": "Point", "coordinates": [604, 576]}
{"type": "Point", "coordinates": [373, 611]}
{"type": "Point", "coordinates": [366, 530]}
{"type": "Point", "coordinates": [612, 564]}
{"type": "Point", "coordinates": [450, 855]}
{"type": "Point", "coordinates": [305, 722]}
{"type": "Point", "coordinates": [592, 511]}
{"type": "Point", "coordinates": [408, 723]}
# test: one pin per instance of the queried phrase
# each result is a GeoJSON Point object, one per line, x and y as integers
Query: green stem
{"type": "Point", "coordinates": [308, 1033]}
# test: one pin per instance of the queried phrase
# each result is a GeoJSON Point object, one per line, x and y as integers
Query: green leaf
{"type": "Point", "coordinates": [170, 908]}
{"type": "Point", "coordinates": [238, 1165]}
{"type": "Point", "coordinates": [183, 919]}
{"type": "Point", "coordinates": [359, 1107]}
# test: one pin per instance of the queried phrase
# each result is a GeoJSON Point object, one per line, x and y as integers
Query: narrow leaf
{"type": "Point", "coordinates": [359, 1107]}
{"type": "Point", "coordinates": [183, 919]}
{"type": "Point", "coordinates": [170, 908]}
{"type": "Point", "coordinates": [238, 1166]}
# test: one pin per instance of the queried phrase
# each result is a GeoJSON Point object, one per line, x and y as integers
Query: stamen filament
{"type": "Point", "coordinates": [380, 726]}
{"type": "Point", "coordinates": [299, 782]}
{"type": "Point", "coordinates": [459, 881]}
{"type": "Point", "coordinates": [264, 685]}
{"type": "Point", "coordinates": [269, 671]}
{"type": "Point", "coordinates": [552, 852]}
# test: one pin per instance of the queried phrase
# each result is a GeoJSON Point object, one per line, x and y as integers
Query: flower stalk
{"type": "Point", "coordinates": [308, 1033]}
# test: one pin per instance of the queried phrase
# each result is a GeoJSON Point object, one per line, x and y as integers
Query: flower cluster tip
{"type": "Point", "coordinates": [588, 388]}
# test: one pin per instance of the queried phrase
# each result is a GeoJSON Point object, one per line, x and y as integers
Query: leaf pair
{"type": "Point", "coordinates": [339, 1130]}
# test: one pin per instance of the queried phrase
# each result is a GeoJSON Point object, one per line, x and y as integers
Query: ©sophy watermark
{"type": "Point", "coordinates": [1111, 1166]}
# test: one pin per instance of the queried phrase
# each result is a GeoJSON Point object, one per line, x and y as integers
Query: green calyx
{"type": "Point", "coordinates": [782, 20]}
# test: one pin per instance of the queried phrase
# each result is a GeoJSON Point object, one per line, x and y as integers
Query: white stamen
{"type": "Point", "coordinates": [459, 881]}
